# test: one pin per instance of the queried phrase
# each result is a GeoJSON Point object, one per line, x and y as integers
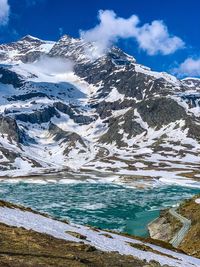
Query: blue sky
{"type": "Point", "coordinates": [48, 19]}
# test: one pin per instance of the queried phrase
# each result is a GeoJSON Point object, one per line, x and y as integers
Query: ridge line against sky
{"type": "Point", "coordinates": [141, 33]}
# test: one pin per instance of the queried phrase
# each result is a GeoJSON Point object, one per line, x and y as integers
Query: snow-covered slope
{"type": "Point", "coordinates": [64, 108]}
{"type": "Point", "coordinates": [100, 239]}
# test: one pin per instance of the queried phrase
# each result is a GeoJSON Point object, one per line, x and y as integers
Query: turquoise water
{"type": "Point", "coordinates": [106, 206]}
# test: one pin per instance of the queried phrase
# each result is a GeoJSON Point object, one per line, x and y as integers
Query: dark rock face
{"type": "Point", "coordinates": [131, 126]}
{"type": "Point", "coordinates": [193, 100]}
{"type": "Point", "coordinates": [9, 127]}
{"type": "Point", "coordinates": [104, 108]}
{"type": "Point", "coordinates": [69, 138]}
{"type": "Point", "coordinates": [10, 156]}
{"type": "Point", "coordinates": [9, 77]}
{"type": "Point", "coordinates": [59, 134]}
{"type": "Point", "coordinates": [26, 96]}
{"type": "Point", "coordinates": [161, 111]}
{"type": "Point", "coordinates": [156, 112]}
{"type": "Point", "coordinates": [193, 129]}
{"type": "Point", "coordinates": [115, 126]}
{"type": "Point", "coordinates": [39, 116]}
{"type": "Point", "coordinates": [3, 56]}
{"type": "Point", "coordinates": [73, 112]}
{"type": "Point", "coordinates": [113, 135]}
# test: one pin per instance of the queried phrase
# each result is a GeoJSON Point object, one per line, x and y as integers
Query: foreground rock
{"type": "Point", "coordinates": [32, 239]}
{"type": "Point", "coordinates": [21, 247]}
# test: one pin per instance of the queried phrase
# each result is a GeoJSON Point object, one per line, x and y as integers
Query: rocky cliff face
{"type": "Point", "coordinates": [107, 114]}
{"type": "Point", "coordinates": [166, 226]}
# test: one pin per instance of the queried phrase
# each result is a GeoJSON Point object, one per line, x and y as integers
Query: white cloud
{"type": "Point", "coordinates": [153, 38]}
{"type": "Point", "coordinates": [110, 29]}
{"type": "Point", "coordinates": [190, 67]}
{"type": "Point", "coordinates": [52, 65]}
{"type": "Point", "coordinates": [4, 12]}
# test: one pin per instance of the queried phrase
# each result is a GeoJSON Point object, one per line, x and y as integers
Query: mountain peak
{"type": "Point", "coordinates": [68, 38]}
{"type": "Point", "coordinates": [192, 82]}
{"type": "Point", "coordinates": [30, 38]}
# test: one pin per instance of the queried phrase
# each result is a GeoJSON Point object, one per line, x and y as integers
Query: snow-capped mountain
{"type": "Point", "coordinates": [26, 49]}
{"type": "Point", "coordinates": [64, 107]}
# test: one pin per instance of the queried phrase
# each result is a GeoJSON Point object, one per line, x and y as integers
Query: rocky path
{"type": "Point", "coordinates": [177, 239]}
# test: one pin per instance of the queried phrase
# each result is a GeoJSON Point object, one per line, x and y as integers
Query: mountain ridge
{"type": "Point", "coordinates": [115, 116]}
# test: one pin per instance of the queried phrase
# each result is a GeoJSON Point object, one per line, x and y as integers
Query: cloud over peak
{"type": "Point", "coordinates": [52, 65]}
{"type": "Point", "coordinates": [110, 29]}
{"type": "Point", "coordinates": [152, 38]}
{"type": "Point", "coordinates": [4, 12]}
{"type": "Point", "coordinates": [189, 67]}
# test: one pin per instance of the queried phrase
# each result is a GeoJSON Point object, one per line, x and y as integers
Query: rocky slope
{"type": "Point", "coordinates": [165, 227]}
{"type": "Point", "coordinates": [29, 238]}
{"type": "Point", "coordinates": [23, 247]}
{"type": "Point", "coordinates": [62, 107]}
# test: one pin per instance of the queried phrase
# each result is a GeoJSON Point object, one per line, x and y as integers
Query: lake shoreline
{"type": "Point", "coordinates": [104, 205]}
